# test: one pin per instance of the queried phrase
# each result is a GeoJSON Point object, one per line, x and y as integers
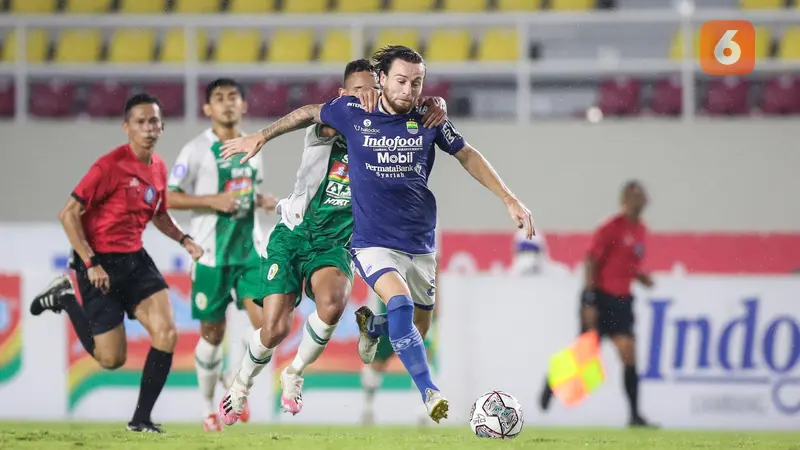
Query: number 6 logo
{"type": "Point", "coordinates": [727, 47]}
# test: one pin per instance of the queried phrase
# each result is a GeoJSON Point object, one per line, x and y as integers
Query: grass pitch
{"type": "Point", "coordinates": [30, 435]}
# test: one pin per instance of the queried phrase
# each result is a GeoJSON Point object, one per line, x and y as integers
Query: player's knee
{"type": "Point", "coordinates": [213, 333]}
{"type": "Point", "coordinates": [111, 361]}
{"type": "Point", "coordinates": [165, 337]}
{"type": "Point", "coordinates": [274, 333]}
{"type": "Point", "coordinates": [330, 308]}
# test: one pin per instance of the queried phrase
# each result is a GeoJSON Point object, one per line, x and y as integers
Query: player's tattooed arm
{"type": "Point", "coordinates": [299, 118]}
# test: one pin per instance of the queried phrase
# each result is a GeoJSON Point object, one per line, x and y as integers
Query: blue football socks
{"type": "Point", "coordinates": [407, 342]}
{"type": "Point", "coordinates": [378, 325]}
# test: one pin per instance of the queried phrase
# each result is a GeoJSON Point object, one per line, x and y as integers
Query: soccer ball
{"type": "Point", "coordinates": [496, 415]}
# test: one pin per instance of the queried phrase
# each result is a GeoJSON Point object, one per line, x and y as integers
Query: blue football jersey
{"type": "Point", "coordinates": [390, 160]}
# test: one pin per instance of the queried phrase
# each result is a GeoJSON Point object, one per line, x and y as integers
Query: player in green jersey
{"type": "Point", "coordinates": [309, 251]}
{"type": "Point", "coordinates": [223, 198]}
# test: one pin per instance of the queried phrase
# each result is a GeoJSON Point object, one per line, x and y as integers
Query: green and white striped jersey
{"type": "Point", "coordinates": [227, 238]}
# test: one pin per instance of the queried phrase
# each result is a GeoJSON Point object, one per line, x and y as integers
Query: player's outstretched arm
{"type": "Point", "coordinates": [251, 144]}
{"type": "Point", "coordinates": [480, 169]}
{"type": "Point", "coordinates": [225, 202]}
{"type": "Point", "coordinates": [169, 228]}
{"type": "Point", "coordinates": [70, 217]}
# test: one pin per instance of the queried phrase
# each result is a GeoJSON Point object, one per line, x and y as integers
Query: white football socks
{"type": "Point", "coordinates": [316, 335]}
{"type": "Point", "coordinates": [208, 364]}
{"type": "Point", "coordinates": [255, 359]}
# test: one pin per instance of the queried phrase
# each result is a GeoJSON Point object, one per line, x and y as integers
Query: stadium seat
{"type": "Point", "coordinates": [250, 6]}
{"type": "Point", "coordinates": [52, 99]}
{"type": "Point", "coordinates": [304, 6]}
{"type": "Point", "coordinates": [132, 45]}
{"type": "Point", "coordinates": [780, 96]}
{"type": "Point", "coordinates": [142, 6]}
{"type": "Point", "coordinates": [321, 91]}
{"type": "Point", "coordinates": [107, 99]}
{"type": "Point", "coordinates": [619, 97]}
{"type": "Point", "coordinates": [519, 5]}
{"type": "Point", "coordinates": [667, 97]}
{"type": "Point", "coordinates": [267, 99]}
{"type": "Point", "coordinates": [291, 46]}
{"type": "Point", "coordinates": [196, 6]}
{"type": "Point", "coordinates": [173, 49]}
{"type": "Point", "coordinates": [336, 46]}
{"type": "Point", "coordinates": [762, 4]}
{"type": "Point", "coordinates": [437, 88]}
{"type": "Point", "coordinates": [238, 46]}
{"type": "Point", "coordinates": [449, 45]}
{"type": "Point", "coordinates": [727, 96]}
{"type": "Point", "coordinates": [171, 96]}
{"type": "Point", "coordinates": [78, 46]}
{"type": "Point", "coordinates": [763, 42]}
{"type": "Point", "coordinates": [32, 6]}
{"type": "Point", "coordinates": [465, 5]}
{"type": "Point", "coordinates": [7, 98]}
{"type": "Point", "coordinates": [88, 6]}
{"type": "Point", "coordinates": [572, 5]}
{"type": "Point", "coordinates": [789, 48]}
{"type": "Point", "coordinates": [676, 49]}
{"type": "Point", "coordinates": [358, 6]}
{"type": "Point", "coordinates": [411, 5]}
{"type": "Point", "coordinates": [36, 46]}
{"type": "Point", "coordinates": [396, 36]}
{"type": "Point", "coordinates": [498, 45]}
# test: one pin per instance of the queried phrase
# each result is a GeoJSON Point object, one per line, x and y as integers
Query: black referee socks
{"type": "Point", "coordinates": [80, 323]}
{"type": "Point", "coordinates": [632, 389]}
{"type": "Point", "coordinates": [154, 376]}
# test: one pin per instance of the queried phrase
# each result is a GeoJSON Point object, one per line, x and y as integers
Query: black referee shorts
{"type": "Point", "coordinates": [614, 314]}
{"type": "Point", "coordinates": [133, 278]}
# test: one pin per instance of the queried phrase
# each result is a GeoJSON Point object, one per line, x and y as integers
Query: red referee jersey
{"type": "Point", "coordinates": [121, 194]}
{"type": "Point", "coordinates": [618, 250]}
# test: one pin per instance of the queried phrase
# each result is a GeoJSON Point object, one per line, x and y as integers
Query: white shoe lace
{"type": "Point", "coordinates": [238, 396]}
{"type": "Point", "coordinates": [294, 386]}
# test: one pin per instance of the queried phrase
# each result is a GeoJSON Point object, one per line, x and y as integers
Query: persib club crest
{"type": "Point", "coordinates": [412, 127]}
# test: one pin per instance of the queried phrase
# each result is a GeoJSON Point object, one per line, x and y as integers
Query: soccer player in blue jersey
{"type": "Point", "coordinates": [391, 156]}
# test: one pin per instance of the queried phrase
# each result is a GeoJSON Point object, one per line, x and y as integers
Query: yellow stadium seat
{"type": "Point", "coordinates": [464, 5]}
{"type": "Point", "coordinates": [572, 5]}
{"type": "Point", "coordinates": [397, 36]}
{"type": "Point", "coordinates": [88, 6]}
{"type": "Point", "coordinates": [36, 43]}
{"type": "Point", "coordinates": [291, 46]}
{"type": "Point", "coordinates": [761, 4]}
{"type": "Point", "coordinates": [238, 46]}
{"type": "Point", "coordinates": [251, 6]}
{"type": "Point", "coordinates": [196, 6]}
{"type": "Point", "coordinates": [411, 5]}
{"type": "Point", "coordinates": [173, 49]}
{"type": "Point", "coordinates": [142, 6]}
{"type": "Point", "coordinates": [449, 46]}
{"type": "Point", "coordinates": [790, 44]}
{"type": "Point", "coordinates": [763, 42]}
{"type": "Point", "coordinates": [78, 46]}
{"type": "Point", "coordinates": [336, 47]}
{"type": "Point", "coordinates": [676, 50]}
{"type": "Point", "coordinates": [358, 6]}
{"type": "Point", "coordinates": [32, 6]}
{"type": "Point", "coordinates": [499, 45]}
{"type": "Point", "coordinates": [519, 5]}
{"type": "Point", "coordinates": [129, 45]}
{"type": "Point", "coordinates": [305, 6]}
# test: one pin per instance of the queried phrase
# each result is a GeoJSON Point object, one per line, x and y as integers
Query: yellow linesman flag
{"type": "Point", "coordinates": [577, 371]}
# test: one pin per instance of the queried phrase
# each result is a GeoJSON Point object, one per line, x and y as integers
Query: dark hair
{"type": "Point", "coordinates": [385, 56]}
{"type": "Point", "coordinates": [631, 185]}
{"type": "Point", "coordinates": [357, 66]}
{"type": "Point", "coordinates": [139, 99]}
{"type": "Point", "coordinates": [223, 82]}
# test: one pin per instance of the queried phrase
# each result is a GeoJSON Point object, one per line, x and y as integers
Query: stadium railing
{"type": "Point", "coordinates": [524, 70]}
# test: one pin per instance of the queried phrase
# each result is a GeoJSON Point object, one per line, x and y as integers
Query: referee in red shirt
{"type": "Point", "coordinates": [614, 261]}
{"type": "Point", "coordinates": [104, 219]}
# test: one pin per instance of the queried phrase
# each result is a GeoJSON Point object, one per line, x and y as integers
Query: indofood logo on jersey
{"type": "Point", "coordinates": [10, 327]}
{"type": "Point", "coordinates": [393, 143]}
{"type": "Point", "coordinates": [339, 367]}
{"type": "Point", "coordinates": [84, 374]}
{"type": "Point", "coordinates": [755, 354]}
